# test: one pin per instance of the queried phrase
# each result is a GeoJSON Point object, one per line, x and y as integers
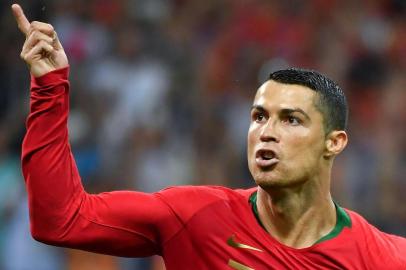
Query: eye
{"type": "Point", "coordinates": [292, 120]}
{"type": "Point", "coordinates": [258, 117]}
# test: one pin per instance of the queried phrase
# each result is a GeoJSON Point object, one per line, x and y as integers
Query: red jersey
{"type": "Point", "coordinates": [202, 227]}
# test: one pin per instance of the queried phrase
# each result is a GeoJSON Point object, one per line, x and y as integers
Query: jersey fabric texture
{"type": "Point", "coordinates": [192, 227]}
{"type": "Point", "coordinates": [343, 219]}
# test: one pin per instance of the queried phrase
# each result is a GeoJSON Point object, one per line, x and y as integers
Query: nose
{"type": "Point", "coordinates": [269, 132]}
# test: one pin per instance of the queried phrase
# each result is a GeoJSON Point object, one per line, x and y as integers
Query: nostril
{"type": "Point", "coordinates": [267, 138]}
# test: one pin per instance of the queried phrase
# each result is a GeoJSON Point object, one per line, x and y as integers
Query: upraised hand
{"type": "Point", "coordinates": [42, 50]}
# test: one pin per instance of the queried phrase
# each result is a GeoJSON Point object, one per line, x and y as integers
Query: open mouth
{"type": "Point", "coordinates": [266, 158]}
{"type": "Point", "coordinates": [266, 154]}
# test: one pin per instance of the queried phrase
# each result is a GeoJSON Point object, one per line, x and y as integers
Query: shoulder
{"type": "Point", "coordinates": [390, 247]}
{"type": "Point", "coordinates": [187, 200]}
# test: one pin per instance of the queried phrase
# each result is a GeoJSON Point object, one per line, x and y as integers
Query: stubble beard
{"type": "Point", "coordinates": [275, 178]}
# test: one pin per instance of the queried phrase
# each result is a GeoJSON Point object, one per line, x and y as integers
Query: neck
{"type": "Point", "coordinates": [297, 217]}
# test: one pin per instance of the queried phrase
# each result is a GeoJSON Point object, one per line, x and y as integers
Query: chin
{"type": "Point", "coordinates": [269, 180]}
{"type": "Point", "coordinates": [274, 179]}
{"type": "Point", "coordinates": [271, 184]}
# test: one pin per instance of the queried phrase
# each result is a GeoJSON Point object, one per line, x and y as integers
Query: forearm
{"type": "Point", "coordinates": [52, 180]}
{"type": "Point", "coordinates": [61, 212]}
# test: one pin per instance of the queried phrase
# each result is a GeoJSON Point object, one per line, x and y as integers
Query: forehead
{"type": "Point", "coordinates": [273, 94]}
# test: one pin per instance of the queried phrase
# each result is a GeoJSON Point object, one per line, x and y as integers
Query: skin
{"type": "Point", "coordinates": [42, 50]}
{"type": "Point", "coordinates": [294, 201]}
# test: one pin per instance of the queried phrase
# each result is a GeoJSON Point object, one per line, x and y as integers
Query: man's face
{"type": "Point", "coordinates": [286, 138]}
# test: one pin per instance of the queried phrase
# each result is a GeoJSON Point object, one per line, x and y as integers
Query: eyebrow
{"type": "Point", "coordinates": [258, 108]}
{"type": "Point", "coordinates": [284, 111]}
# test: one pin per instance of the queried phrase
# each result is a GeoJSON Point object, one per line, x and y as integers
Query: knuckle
{"type": "Point", "coordinates": [34, 24]}
{"type": "Point", "coordinates": [41, 25]}
{"type": "Point", "coordinates": [35, 34]}
{"type": "Point", "coordinates": [44, 45]}
{"type": "Point", "coordinates": [31, 38]}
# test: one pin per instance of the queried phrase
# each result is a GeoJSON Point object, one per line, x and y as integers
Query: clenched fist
{"type": "Point", "coordinates": [42, 50]}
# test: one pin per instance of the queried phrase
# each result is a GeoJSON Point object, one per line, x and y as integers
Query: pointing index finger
{"type": "Point", "coordinates": [22, 22]}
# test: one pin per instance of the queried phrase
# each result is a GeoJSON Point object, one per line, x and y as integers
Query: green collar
{"type": "Point", "coordinates": [343, 219]}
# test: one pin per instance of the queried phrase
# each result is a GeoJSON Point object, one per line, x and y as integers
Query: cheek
{"type": "Point", "coordinates": [304, 144]}
{"type": "Point", "coordinates": [251, 139]}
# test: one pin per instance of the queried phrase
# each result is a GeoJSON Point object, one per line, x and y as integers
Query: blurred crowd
{"type": "Point", "coordinates": [161, 92]}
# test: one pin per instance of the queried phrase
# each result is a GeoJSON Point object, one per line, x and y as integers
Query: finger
{"type": "Point", "coordinates": [48, 29]}
{"type": "Point", "coordinates": [37, 51]}
{"type": "Point", "coordinates": [45, 28]}
{"type": "Point", "coordinates": [22, 22]}
{"type": "Point", "coordinates": [34, 38]}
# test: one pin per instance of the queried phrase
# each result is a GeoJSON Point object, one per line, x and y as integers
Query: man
{"type": "Point", "coordinates": [289, 221]}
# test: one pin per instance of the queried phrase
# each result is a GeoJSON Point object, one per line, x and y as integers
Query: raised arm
{"type": "Point", "coordinates": [61, 213]}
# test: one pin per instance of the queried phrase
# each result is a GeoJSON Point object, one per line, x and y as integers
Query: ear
{"type": "Point", "coordinates": [335, 143]}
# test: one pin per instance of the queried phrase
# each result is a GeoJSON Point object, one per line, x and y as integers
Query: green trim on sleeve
{"type": "Point", "coordinates": [343, 219]}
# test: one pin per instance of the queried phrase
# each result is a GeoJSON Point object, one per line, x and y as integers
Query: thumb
{"type": "Point", "coordinates": [56, 43]}
{"type": "Point", "coordinates": [22, 22]}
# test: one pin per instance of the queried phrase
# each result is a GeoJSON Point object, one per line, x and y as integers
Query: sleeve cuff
{"type": "Point", "coordinates": [51, 77]}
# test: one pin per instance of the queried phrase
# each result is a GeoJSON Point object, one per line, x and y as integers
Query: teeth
{"type": "Point", "coordinates": [267, 155]}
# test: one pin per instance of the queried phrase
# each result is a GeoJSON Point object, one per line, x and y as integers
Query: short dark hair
{"type": "Point", "coordinates": [331, 102]}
